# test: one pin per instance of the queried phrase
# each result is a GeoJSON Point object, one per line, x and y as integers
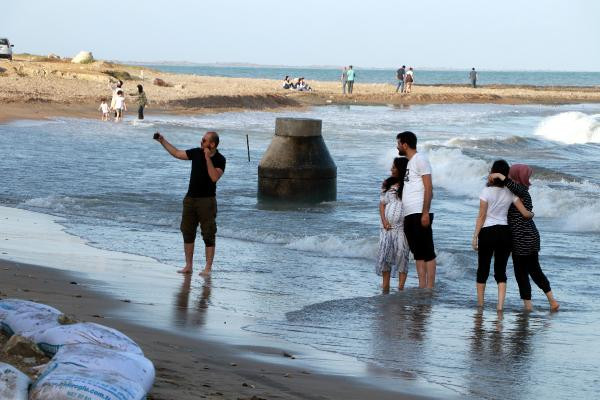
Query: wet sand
{"type": "Point", "coordinates": [186, 368]}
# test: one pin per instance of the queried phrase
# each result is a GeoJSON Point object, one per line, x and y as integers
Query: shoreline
{"type": "Point", "coordinates": [35, 87]}
{"type": "Point", "coordinates": [188, 364]}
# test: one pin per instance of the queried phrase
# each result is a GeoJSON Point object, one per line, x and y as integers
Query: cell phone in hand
{"type": "Point", "coordinates": [156, 136]}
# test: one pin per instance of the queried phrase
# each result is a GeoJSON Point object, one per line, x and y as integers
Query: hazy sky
{"type": "Point", "coordinates": [507, 34]}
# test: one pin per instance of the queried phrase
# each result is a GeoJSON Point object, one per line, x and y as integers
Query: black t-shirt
{"type": "Point", "coordinates": [200, 183]}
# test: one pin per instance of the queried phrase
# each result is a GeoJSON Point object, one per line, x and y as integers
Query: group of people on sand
{"type": "Point", "coordinates": [118, 105]}
{"type": "Point", "coordinates": [348, 75]}
{"type": "Point", "coordinates": [504, 226]}
{"type": "Point", "coordinates": [300, 84]}
{"type": "Point", "coordinates": [405, 79]}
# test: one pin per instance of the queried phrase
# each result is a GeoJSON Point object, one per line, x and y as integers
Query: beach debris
{"type": "Point", "coordinates": [14, 384]}
{"type": "Point", "coordinates": [21, 346]}
{"type": "Point", "coordinates": [161, 82]}
{"type": "Point", "coordinates": [29, 360]}
{"type": "Point", "coordinates": [206, 385]}
{"type": "Point", "coordinates": [288, 355]}
{"type": "Point", "coordinates": [83, 57]}
{"type": "Point", "coordinates": [248, 385]}
{"type": "Point", "coordinates": [65, 319]}
{"type": "Point", "coordinates": [73, 283]}
{"type": "Point", "coordinates": [287, 375]}
{"type": "Point", "coordinates": [126, 301]}
{"type": "Point", "coordinates": [233, 364]}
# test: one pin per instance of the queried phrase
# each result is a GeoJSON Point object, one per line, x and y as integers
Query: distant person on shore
{"type": "Point", "coordinates": [473, 77]}
{"type": "Point", "coordinates": [105, 109]}
{"type": "Point", "coordinates": [200, 203]}
{"type": "Point", "coordinates": [287, 84]}
{"type": "Point", "coordinates": [344, 79]}
{"type": "Point", "coordinates": [525, 237]}
{"type": "Point", "coordinates": [392, 257]}
{"type": "Point", "coordinates": [120, 106]}
{"type": "Point", "coordinates": [400, 76]}
{"type": "Point", "coordinates": [492, 237]}
{"type": "Point", "coordinates": [409, 78]}
{"type": "Point", "coordinates": [350, 76]}
{"type": "Point", "coordinates": [416, 202]}
{"type": "Point", "coordinates": [303, 86]}
{"type": "Point", "coordinates": [141, 101]}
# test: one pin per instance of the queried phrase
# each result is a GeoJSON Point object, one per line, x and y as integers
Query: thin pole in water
{"type": "Point", "coordinates": [248, 147]}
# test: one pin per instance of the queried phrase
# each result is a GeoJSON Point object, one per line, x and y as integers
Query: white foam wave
{"type": "Point", "coordinates": [336, 246]}
{"type": "Point", "coordinates": [571, 128]}
{"type": "Point", "coordinates": [54, 203]}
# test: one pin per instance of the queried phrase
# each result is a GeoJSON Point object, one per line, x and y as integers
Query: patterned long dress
{"type": "Point", "coordinates": [393, 251]}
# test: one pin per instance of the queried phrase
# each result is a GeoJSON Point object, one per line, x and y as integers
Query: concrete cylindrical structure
{"type": "Point", "coordinates": [297, 165]}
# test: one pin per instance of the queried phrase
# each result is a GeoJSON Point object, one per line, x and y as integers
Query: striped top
{"type": "Point", "coordinates": [525, 236]}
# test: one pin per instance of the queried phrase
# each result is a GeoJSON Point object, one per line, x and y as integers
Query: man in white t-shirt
{"type": "Point", "coordinates": [416, 201]}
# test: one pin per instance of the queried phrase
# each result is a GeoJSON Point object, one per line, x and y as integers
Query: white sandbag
{"type": "Point", "coordinates": [134, 367]}
{"type": "Point", "coordinates": [71, 382]}
{"type": "Point", "coordinates": [86, 332]}
{"type": "Point", "coordinates": [14, 385]}
{"type": "Point", "coordinates": [22, 316]}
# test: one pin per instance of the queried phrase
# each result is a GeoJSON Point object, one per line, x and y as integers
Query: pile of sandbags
{"type": "Point", "coordinates": [14, 385]}
{"type": "Point", "coordinates": [89, 360]}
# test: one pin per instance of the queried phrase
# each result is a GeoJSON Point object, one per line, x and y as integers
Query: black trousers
{"type": "Point", "coordinates": [526, 266]}
{"type": "Point", "coordinates": [494, 241]}
{"type": "Point", "coordinates": [141, 112]}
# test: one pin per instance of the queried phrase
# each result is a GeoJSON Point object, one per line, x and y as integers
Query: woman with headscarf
{"type": "Point", "coordinates": [525, 238]}
{"type": "Point", "coordinates": [141, 101]}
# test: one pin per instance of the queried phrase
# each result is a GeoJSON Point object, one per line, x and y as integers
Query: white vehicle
{"type": "Point", "coordinates": [5, 49]}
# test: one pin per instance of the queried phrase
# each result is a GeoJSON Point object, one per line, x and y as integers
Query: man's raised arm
{"type": "Point", "coordinates": [174, 151]}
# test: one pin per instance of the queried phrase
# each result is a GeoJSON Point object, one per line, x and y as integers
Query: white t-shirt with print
{"type": "Point", "coordinates": [499, 200]}
{"type": "Point", "coordinates": [414, 190]}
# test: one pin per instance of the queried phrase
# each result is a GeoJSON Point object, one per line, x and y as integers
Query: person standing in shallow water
{"type": "Point", "coordinates": [416, 200]}
{"type": "Point", "coordinates": [141, 101]}
{"type": "Point", "coordinates": [492, 237]}
{"type": "Point", "coordinates": [199, 204]}
{"type": "Point", "coordinates": [344, 80]}
{"type": "Point", "coordinates": [392, 257]}
{"type": "Point", "coordinates": [525, 238]}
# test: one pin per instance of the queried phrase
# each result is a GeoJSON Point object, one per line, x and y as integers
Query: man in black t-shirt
{"type": "Point", "coordinates": [199, 204]}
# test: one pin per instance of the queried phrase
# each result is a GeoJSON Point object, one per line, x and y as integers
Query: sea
{"type": "Point", "coordinates": [304, 275]}
{"type": "Point", "coordinates": [370, 75]}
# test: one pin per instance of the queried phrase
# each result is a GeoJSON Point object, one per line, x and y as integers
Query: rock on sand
{"type": "Point", "coordinates": [83, 57]}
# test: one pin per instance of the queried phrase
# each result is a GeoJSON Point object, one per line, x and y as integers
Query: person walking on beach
{"type": "Point", "coordinates": [416, 202]}
{"type": "Point", "coordinates": [473, 77]}
{"type": "Point", "coordinates": [392, 257]}
{"type": "Point", "coordinates": [400, 76]}
{"type": "Point", "coordinates": [492, 237]}
{"type": "Point", "coordinates": [409, 78]}
{"type": "Point", "coordinates": [199, 204]}
{"type": "Point", "coordinates": [141, 101]}
{"type": "Point", "coordinates": [344, 79]}
{"type": "Point", "coordinates": [350, 74]}
{"type": "Point", "coordinates": [525, 238]}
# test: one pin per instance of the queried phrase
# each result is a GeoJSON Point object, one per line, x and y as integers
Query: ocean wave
{"type": "Point", "coordinates": [571, 128]}
{"type": "Point", "coordinates": [474, 142]}
{"type": "Point", "coordinates": [336, 246]}
{"type": "Point", "coordinates": [54, 203]}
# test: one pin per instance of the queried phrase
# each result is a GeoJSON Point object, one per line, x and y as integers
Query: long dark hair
{"type": "Point", "coordinates": [140, 88]}
{"type": "Point", "coordinates": [501, 167]}
{"type": "Point", "coordinates": [400, 163]}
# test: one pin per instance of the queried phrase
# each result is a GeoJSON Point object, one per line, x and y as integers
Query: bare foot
{"type": "Point", "coordinates": [554, 306]}
{"type": "Point", "coordinates": [527, 305]}
{"type": "Point", "coordinates": [205, 273]}
{"type": "Point", "coordinates": [185, 271]}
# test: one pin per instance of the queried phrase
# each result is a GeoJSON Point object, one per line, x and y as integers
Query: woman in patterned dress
{"type": "Point", "coordinates": [392, 258]}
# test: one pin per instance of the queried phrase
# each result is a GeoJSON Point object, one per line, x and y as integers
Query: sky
{"type": "Point", "coordinates": [455, 34]}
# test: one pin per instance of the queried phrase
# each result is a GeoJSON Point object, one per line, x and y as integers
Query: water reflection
{"type": "Point", "coordinates": [194, 316]}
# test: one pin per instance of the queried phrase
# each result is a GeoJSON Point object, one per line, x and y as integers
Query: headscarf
{"type": "Point", "coordinates": [520, 173]}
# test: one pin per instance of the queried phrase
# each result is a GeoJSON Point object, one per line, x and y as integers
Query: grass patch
{"type": "Point", "coordinates": [120, 75]}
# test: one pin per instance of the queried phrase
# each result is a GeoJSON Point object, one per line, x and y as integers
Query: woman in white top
{"type": "Point", "coordinates": [392, 258]}
{"type": "Point", "coordinates": [492, 237]}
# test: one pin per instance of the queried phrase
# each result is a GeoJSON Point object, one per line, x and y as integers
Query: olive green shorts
{"type": "Point", "coordinates": [203, 211]}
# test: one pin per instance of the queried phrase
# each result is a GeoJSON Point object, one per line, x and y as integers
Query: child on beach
{"type": "Point", "coordinates": [525, 238]}
{"type": "Point", "coordinates": [492, 237]}
{"type": "Point", "coordinates": [120, 105]}
{"type": "Point", "coordinates": [104, 108]}
{"type": "Point", "coordinates": [392, 258]}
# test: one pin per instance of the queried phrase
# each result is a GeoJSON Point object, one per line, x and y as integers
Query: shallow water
{"type": "Point", "coordinates": [305, 275]}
